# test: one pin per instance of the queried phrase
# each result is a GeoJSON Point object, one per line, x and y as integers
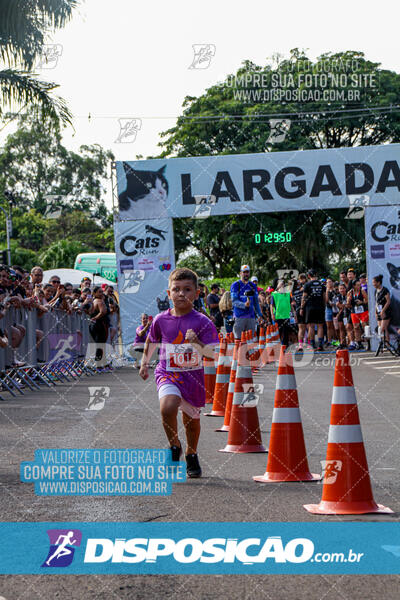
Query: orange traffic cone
{"type": "Point", "coordinates": [287, 457]}
{"type": "Point", "coordinates": [275, 339]}
{"type": "Point", "coordinates": [231, 389]}
{"type": "Point", "coordinates": [252, 353]}
{"type": "Point", "coordinates": [244, 428]}
{"type": "Point", "coordinates": [261, 341]}
{"type": "Point", "coordinates": [266, 353]}
{"type": "Point", "coordinates": [210, 373]}
{"type": "Point", "coordinates": [347, 486]}
{"type": "Point", "coordinates": [221, 382]}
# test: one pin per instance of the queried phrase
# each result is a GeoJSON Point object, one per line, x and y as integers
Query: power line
{"type": "Point", "coordinates": [301, 115]}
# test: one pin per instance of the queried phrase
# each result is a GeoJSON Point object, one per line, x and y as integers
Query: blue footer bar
{"type": "Point", "coordinates": [200, 548]}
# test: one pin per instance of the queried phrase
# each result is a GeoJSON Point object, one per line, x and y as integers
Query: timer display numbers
{"type": "Point", "coordinates": [273, 238]}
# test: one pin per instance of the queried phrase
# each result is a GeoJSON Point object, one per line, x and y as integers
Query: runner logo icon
{"type": "Point", "coordinates": [62, 547]}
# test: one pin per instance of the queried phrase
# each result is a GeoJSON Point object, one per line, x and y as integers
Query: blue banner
{"type": "Point", "coordinates": [200, 548]}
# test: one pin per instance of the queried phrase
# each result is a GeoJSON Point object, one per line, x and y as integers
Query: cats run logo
{"type": "Point", "coordinates": [279, 130]}
{"type": "Point", "coordinates": [203, 53]}
{"type": "Point", "coordinates": [130, 245]}
{"type": "Point", "coordinates": [128, 129]}
{"type": "Point", "coordinates": [63, 543]}
{"type": "Point", "coordinates": [97, 397]}
{"type": "Point", "coordinates": [330, 471]}
{"type": "Point", "coordinates": [49, 56]}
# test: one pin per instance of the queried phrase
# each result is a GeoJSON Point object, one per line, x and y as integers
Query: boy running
{"type": "Point", "coordinates": [184, 335]}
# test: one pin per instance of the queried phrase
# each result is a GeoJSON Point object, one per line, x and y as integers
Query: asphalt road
{"type": "Point", "coordinates": [57, 418]}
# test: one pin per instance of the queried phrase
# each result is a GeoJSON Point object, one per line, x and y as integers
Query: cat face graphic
{"type": "Point", "coordinates": [394, 273]}
{"type": "Point", "coordinates": [151, 187]}
{"type": "Point", "coordinates": [163, 304]}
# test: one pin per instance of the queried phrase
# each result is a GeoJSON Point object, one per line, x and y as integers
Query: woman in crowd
{"type": "Point", "coordinates": [329, 306]}
{"type": "Point", "coordinates": [357, 302]}
{"type": "Point", "coordinates": [382, 305]}
{"type": "Point", "coordinates": [297, 295]}
{"type": "Point", "coordinates": [342, 313]}
{"type": "Point", "coordinates": [226, 310]}
{"type": "Point", "coordinates": [99, 322]}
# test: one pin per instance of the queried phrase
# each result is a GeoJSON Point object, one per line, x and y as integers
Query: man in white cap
{"type": "Point", "coordinates": [244, 296]}
{"type": "Point", "coordinates": [254, 279]}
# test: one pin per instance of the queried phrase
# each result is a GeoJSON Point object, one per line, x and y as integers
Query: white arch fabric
{"type": "Point", "coordinates": [153, 192]}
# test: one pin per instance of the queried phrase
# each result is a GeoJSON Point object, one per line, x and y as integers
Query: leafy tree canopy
{"type": "Point", "coordinates": [233, 117]}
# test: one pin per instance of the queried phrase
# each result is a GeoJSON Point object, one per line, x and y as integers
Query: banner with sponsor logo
{"type": "Point", "coordinates": [145, 258]}
{"type": "Point", "coordinates": [382, 236]}
{"type": "Point", "coordinates": [194, 548]}
{"type": "Point", "coordinates": [161, 189]}
{"type": "Point", "coordinates": [264, 182]}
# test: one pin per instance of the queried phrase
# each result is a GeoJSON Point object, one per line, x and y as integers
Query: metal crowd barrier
{"type": "Point", "coordinates": [65, 353]}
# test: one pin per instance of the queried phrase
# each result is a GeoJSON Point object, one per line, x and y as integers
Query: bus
{"type": "Point", "coordinates": [100, 263]}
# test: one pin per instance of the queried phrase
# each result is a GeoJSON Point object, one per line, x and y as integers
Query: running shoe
{"type": "Point", "coordinates": [352, 346]}
{"type": "Point", "coordinates": [335, 343]}
{"type": "Point", "coordinates": [176, 452]}
{"type": "Point", "coordinates": [342, 347]}
{"type": "Point", "coordinates": [360, 346]}
{"type": "Point", "coordinates": [320, 349]}
{"type": "Point", "coordinates": [193, 469]}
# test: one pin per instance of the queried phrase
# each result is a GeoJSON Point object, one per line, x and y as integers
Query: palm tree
{"type": "Point", "coordinates": [23, 30]}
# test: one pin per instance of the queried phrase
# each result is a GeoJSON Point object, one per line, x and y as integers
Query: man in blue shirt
{"type": "Point", "coordinates": [244, 296]}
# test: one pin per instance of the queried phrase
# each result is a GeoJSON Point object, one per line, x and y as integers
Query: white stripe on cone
{"type": "Point", "coordinates": [344, 395]}
{"type": "Point", "coordinates": [344, 434]}
{"type": "Point", "coordinates": [287, 381]}
{"type": "Point", "coordinates": [222, 378]}
{"type": "Point", "coordinates": [238, 398]}
{"type": "Point", "coordinates": [286, 415]}
{"type": "Point", "coordinates": [243, 372]}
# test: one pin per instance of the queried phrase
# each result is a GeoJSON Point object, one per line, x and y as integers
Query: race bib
{"type": "Point", "coordinates": [358, 309]}
{"type": "Point", "coordinates": [379, 307]}
{"type": "Point", "coordinates": [345, 320]}
{"type": "Point", "coordinates": [182, 357]}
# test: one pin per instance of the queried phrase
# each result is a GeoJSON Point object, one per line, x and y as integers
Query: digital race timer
{"type": "Point", "coordinates": [273, 238]}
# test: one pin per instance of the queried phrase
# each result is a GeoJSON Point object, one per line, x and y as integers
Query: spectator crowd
{"type": "Point", "coordinates": [312, 312]}
{"type": "Point", "coordinates": [21, 289]}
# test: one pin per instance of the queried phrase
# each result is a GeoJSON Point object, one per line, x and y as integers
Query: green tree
{"type": "Point", "coordinates": [61, 254]}
{"type": "Point", "coordinates": [24, 27]}
{"type": "Point", "coordinates": [35, 165]}
{"type": "Point", "coordinates": [22, 257]}
{"type": "Point", "coordinates": [222, 121]}
{"type": "Point", "coordinates": [197, 263]}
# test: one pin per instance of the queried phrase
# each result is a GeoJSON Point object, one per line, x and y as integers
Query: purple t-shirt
{"type": "Point", "coordinates": [180, 363]}
{"type": "Point", "coordinates": [141, 339]}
